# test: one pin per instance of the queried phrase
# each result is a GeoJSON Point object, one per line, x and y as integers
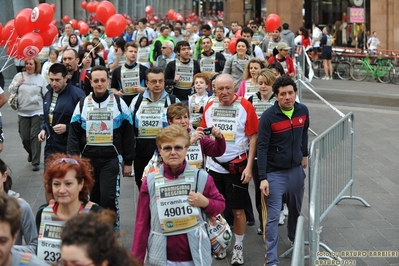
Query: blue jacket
{"type": "Point", "coordinates": [282, 142]}
{"type": "Point", "coordinates": [62, 114]}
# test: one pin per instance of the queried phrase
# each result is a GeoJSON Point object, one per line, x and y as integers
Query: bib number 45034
{"type": "Point", "coordinates": [224, 127]}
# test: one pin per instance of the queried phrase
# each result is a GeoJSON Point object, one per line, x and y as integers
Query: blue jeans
{"type": "Point", "coordinates": [291, 182]}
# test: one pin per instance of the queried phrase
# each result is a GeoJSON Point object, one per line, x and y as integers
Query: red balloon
{"type": "Point", "coordinates": [84, 4]}
{"type": "Point", "coordinates": [74, 23]}
{"type": "Point", "coordinates": [8, 33]}
{"type": "Point", "coordinates": [238, 34]}
{"type": "Point", "coordinates": [54, 7]}
{"type": "Point", "coordinates": [12, 48]}
{"type": "Point", "coordinates": [42, 15]}
{"type": "Point", "coordinates": [49, 34]}
{"type": "Point", "coordinates": [1, 30]}
{"type": "Point", "coordinates": [232, 45]}
{"type": "Point", "coordinates": [65, 19]}
{"type": "Point", "coordinates": [115, 25]}
{"type": "Point", "coordinates": [95, 5]}
{"type": "Point", "coordinates": [30, 45]}
{"type": "Point", "coordinates": [156, 18]}
{"type": "Point", "coordinates": [104, 11]}
{"type": "Point", "coordinates": [84, 28]}
{"type": "Point", "coordinates": [171, 14]}
{"type": "Point", "coordinates": [148, 10]}
{"type": "Point", "coordinates": [273, 21]}
{"type": "Point", "coordinates": [22, 21]}
{"type": "Point", "coordinates": [54, 22]}
{"type": "Point", "coordinates": [90, 7]}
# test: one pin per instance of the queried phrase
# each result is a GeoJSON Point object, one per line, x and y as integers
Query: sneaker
{"type": "Point", "coordinates": [221, 255]}
{"type": "Point", "coordinates": [331, 78]}
{"type": "Point", "coordinates": [291, 242]}
{"type": "Point", "coordinates": [325, 78]}
{"type": "Point", "coordinates": [251, 223]}
{"type": "Point", "coordinates": [35, 168]}
{"type": "Point", "coordinates": [285, 209]}
{"type": "Point", "coordinates": [259, 231]}
{"type": "Point", "coordinates": [282, 218]}
{"type": "Point", "coordinates": [237, 258]}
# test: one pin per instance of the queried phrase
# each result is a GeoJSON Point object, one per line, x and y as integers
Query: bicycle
{"type": "Point", "coordinates": [362, 68]}
{"type": "Point", "coordinates": [341, 66]}
{"type": "Point", "coordinates": [394, 73]}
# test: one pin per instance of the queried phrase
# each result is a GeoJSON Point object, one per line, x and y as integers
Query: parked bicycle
{"type": "Point", "coordinates": [362, 68]}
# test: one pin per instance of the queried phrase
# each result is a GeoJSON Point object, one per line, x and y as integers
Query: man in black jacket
{"type": "Point", "coordinates": [282, 156]}
{"type": "Point", "coordinates": [58, 105]}
{"type": "Point", "coordinates": [211, 62]}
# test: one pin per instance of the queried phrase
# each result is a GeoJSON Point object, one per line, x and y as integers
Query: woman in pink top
{"type": "Point", "coordinates": [169, 219]}
{"type": "Point", "coordinates": [249, 85]}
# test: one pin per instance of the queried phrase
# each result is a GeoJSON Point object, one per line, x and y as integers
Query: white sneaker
{"type": "Point", "coordinates": [331, 78]}
{"type": "Point", "coordinates": [326, 78]}
{"type": "Point", "coordinates": [221, 255]}
{"type": "Point", "coordinates": [282, 217]}
{"type": "Point", "coordinates": [237, 258]}
{"type": "Point", "coordinates": [285, 209]}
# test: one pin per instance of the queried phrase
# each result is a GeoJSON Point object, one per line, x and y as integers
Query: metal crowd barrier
{"type": "Point", "coordinates": [331, 175]}
{"type": "Point", "coordinates": [298, 255]}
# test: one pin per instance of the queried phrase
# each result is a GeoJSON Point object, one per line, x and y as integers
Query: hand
{"type": "Point", "coordinates": [216, 132]}
{"type": "Point", "coordinates": [20, 81]}
{"type": "Point", "coordinates": [1, 146]}
{"type": "Point", "coordinates": [264, 187]}
{"type": "Point", "coordinates": [304, 162]}
{"type": "Point", "coordinates": [127, 170]}
{"type": "Point", "coordinates": [117, 92]}
{"type": "Point", "coordinates": [59, 128]}
{"type": "Point", "coordinates": [139, 89]}
{"type": "Point", "coordinates": [246, 175]}
{"type": "Point", "coordinates": [197, 108]}
{"type": "Point", "coordinates": [118, 52]}
{"type": "Point", "coordinates": [198, 134]}
{"type": "Point", "coordinates": [196, 199]}
{"type": "Point", "coordinates": [42, 136]}
{"type": "Point", "coordinates": [177, 78]}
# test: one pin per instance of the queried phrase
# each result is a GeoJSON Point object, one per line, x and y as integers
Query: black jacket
{"type": "Point", "coordinates": [220, 60]}
{"type": "Point", "coordinates": [62, 114]}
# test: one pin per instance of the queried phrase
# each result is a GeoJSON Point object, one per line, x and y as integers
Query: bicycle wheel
{"type": "Point", "coordinates": [359, 71]}
{"type": "Point", "coordinates": [394, 75]}
{"type": "Point", "coordinates": [344, 70]}
{"type": "Point", "coordinates": [383, 73]}
{"type": "Point", "coordinates": [318, 69]}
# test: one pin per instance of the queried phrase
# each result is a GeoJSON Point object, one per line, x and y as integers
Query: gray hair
{"type": "Point", "coordinates": [170, 45]}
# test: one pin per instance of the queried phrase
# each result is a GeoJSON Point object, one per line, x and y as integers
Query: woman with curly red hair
{"type": "Point", "coordinates": [69, 180]}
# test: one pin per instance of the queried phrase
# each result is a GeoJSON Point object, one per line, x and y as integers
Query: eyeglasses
{"type": "Point", "coordinates": [66, 263]}
{"type": "Point", "coordinates": [154, 81]}
{"type": "Point", "coordinates": [253, 27]}
{"type": "Point", "coordinates": [177, 148]}
{"type": "Point", "coordinates": [163, 47]}
{"type": "Point", "coordinates": [66, 160]}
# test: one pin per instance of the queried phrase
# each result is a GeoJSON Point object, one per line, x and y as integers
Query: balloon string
{"type": "Point", "coordinates": [4, 66]}
{"type": "Point", "coordinates": [81, 63]}
{"type": "Point", "coordinates": [9, 57]}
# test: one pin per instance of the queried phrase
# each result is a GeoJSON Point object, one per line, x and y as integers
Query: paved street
{"type": "Point", "coordinates": [348, 227]}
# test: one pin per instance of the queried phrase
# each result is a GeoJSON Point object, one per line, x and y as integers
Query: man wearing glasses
{"type": "Point", "coordinates": [168, 54]}
{"type": "Point", "coordinates": [148, 110]}
{"type": "Point", "coordinates": [102, 130]}
{"type": "Point", "coordinates": [156, 47]}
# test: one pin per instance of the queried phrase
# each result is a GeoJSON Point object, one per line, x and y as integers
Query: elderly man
{"type": "Point", "coordinates": [193, 37]}
{"type": "Point", "coordinates": [282, 155]}
{"type": "Point", "coordinates": [168, 54]}
{"type": "Point", "coordinates": [237, 119]}
{"type": "Point", "coordinates": [158, 42]}
{"type": "Point", "coordinates": [149, 117]}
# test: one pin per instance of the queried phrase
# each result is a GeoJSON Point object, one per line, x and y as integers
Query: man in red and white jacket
{"type": "Point", "coordinates": [237, 119]}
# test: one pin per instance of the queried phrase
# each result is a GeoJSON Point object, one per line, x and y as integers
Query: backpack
{"type": "Point", "coordinates": [117, 98]}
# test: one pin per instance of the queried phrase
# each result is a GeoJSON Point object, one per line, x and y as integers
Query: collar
{"type": "Point", "coordinates": [101, 98]}
{"type": "Point", "coordinates": [131, 66]}
{"type": "Point", "coordinates": [168, 173]}
{"type": "Point", "coordinates": [147, 95]}
{"type": "Point", "coordinates": [210, 53]}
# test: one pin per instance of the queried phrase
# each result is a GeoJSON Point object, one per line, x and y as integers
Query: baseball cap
{"type": "Point", "coordinates": [283, 46]}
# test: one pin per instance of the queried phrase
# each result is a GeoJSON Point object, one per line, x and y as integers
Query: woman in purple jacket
{"type": "Point", "coordinates": [201, 143]}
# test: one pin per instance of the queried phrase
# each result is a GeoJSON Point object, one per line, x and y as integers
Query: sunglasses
{"type": "Point", "coordinates": [163, 47]}
{"type": "Point", "coordinates": [66, 160]}
{"type": "Point", "coordinates": [177, 148]}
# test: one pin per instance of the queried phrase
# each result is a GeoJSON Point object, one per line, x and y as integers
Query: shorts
{"type": "Point", "coordinates": [232, 189]}
{"type": "Point", "coordinates": [326, 56]}
{"type": "Point", "coordinates": [316, 49]}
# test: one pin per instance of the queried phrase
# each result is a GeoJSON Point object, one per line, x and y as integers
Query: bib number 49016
{"type": "Point", "coordinates": [177, 211]}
